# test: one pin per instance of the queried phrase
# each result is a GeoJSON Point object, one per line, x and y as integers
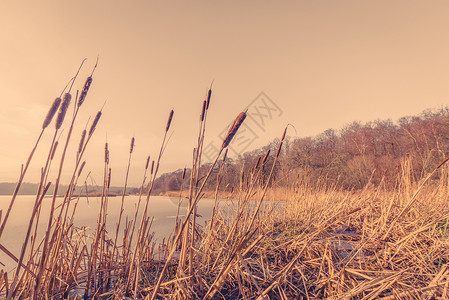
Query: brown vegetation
{"type": "Point", "coordinates": [342, 230]}
{"type": "Point", "coordinates": [351, 158]}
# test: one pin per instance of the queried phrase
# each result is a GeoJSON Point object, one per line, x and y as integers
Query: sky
{"type": "Point", "coordinates": [314, 64]}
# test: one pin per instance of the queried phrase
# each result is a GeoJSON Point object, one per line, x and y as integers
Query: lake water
{"type": "Point", "coordinates": [163, 209]}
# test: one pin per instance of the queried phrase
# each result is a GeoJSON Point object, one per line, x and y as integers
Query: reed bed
{"type": "Point", "coordinates": [303, 241]}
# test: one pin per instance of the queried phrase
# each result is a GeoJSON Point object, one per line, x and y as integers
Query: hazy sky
{"type": "Point", "coordinates": [322, 64]}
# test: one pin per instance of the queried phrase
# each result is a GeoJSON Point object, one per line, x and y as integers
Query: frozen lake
{"type": "Point", "coordinates": [163, 209]}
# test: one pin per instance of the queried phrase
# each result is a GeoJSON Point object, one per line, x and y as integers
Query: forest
{"type": "Point", "coordinates": [350, 158]}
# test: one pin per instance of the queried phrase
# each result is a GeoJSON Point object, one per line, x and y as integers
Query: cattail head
{"type": "Point", "coordinates": [85, 90]}
{"type": "Point", "coordinates": [51, 112]}
{"type": "Point", "coordinates": [148, 162]}
{"type": "Point", "coordinates": [83, 136]}
{"type": "Point", "coordinates": [279, 148]}
{"type": "Point", "coordinates": [131, 148]}
{"type": "Point", "coordinates": [53, 151]}
{"type": "Point", "coordinates": [67, 97]}
{"type": "Point", "coordinates": [233, 130]}
{"type": "Point", "coordinates": [106, 153]}
{"type": "Point", "coordinates": [265, 157]}
{"type": "Point", "coordinates": [170, 117]}
{"type": "Point", "coordinates": [208, 98]}
{"type": "Point", "coordinates": [257, 162]}
{"type": "Point", "coordinates": [203, 111]}
{"type": "Point", "coordinates": [283, 135]}
{"type": "Point", "coordinates": [152, 167]}
{"type": "Point", "coordinates": [94, 124]}
{"type": "Point", "coordinates": [63, 109]}
{"type": "Point", "coordinates": [109, 177]}
{"type": "Point", "coordinates": [183, 173]}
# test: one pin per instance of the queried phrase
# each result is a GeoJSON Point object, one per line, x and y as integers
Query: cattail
{"type": "Point", "coordinates": [85, 90]}
{"type": "Point", "coordinates": [208, 98]}
{"type": "Point", "coordinates": [279, 149]}
{"type": "Point", "coordinates": [131, 148]}
{"type": "Point", "coordinates": [152, 167]}
{"type": "Point", "coordinates": [148, 162]}
{"type": "Point", "coordinates": [81, 168]}
{"type": "Point", "coordinates": [283, 135]}
{"type": "Point", "coordinates": [183, 173]}
{"type": "Point", "coordinates": [94, 124]}
{"type": "Point", "coordinates": [170, 117]}
{"type": "Point", "coordinates": [266, 157]}
{"type": "Point", "coordinates": [233, 130]}
{"type": "Point", "coordinates": [83, 136]}
{"type": "Point", "coordinates": [106, 153]}
{"type": "Point", "coordinates": [53, 150]}
{"type": "Point", "coordinates": [109, 177]}
{"type": "Point", "coordinates": [52, 111]}
{"type": "Point", "coordinates": [257, 162]}
{"type": "Point", "coordinates": [282, 141]}
{"type": "Point", "coordinates": [203, 111]}
{"type": "Point", "coordinates": [63, 109]}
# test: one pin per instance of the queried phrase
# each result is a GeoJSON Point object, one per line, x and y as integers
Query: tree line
{"type": "Point", "coordinates": [357, 154]}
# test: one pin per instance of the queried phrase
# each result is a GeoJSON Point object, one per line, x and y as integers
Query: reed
{"type": "Point", "coordinates": [320, 241]}
{"type": "Point", "coordinates": [36, 209]}
{"type": "Point", "coordinates": [233, 129]}
{"type": "Point", "coordinates": [131, 148]}
{"type": "Point", "coordinates": [63, 110]}
{"type": "Point", "coordinates": [87, 85]}
{"type": "Point", "coordinates": [81, 144]}
{"type": "Point", "coordinates": [144, 223]}
{"type": "Point", "coordinates": [52, 111]}
{"type": "Point", "coordinates": [94, 123]}
{"type": "Point", "coordinates": [24, 169]}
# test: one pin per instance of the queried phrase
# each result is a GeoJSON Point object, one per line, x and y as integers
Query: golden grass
{"type": "Point", "coordinates": [312, 242]}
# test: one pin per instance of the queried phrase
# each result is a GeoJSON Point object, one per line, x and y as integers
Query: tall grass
{"type": "Point", "coordinates": [320, 241]}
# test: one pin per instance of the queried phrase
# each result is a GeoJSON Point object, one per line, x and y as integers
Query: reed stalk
{"type": "Point", "coordinates": [123, 197]}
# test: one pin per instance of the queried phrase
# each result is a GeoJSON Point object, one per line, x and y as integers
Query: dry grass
{"type": "Point", "coordinates": [316, 243]}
